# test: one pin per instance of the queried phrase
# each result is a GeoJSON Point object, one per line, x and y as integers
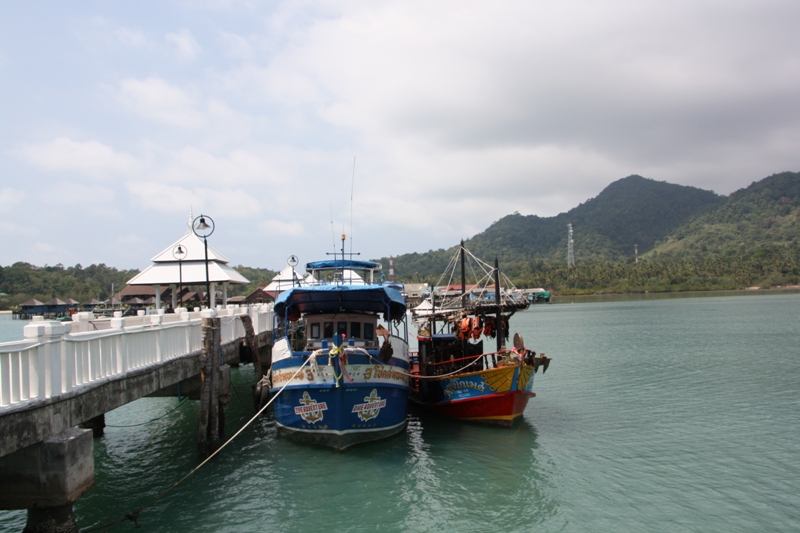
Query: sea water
{"type": "Point", "coordinates": [654, 415]}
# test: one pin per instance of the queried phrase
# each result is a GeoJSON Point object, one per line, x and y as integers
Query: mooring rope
{"type": "Point", "coordinates": [153, 420]}
{"type": "Point", "coordinates": [134, 516]}
{"type": "Point", "coordinates": [408, 374]}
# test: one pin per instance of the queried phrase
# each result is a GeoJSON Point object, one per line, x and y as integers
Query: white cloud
{"type": "Point", "coordinates": [99, 200]}
{"type": "Point", "coordinates": [194, 165]}
{"type": "Point", "coordinates": [234, 203]}
{"type": "Point", "coordinates": [282, 228]}
{"type": "Point", "coordinates": [12, 228]}
{"type": "Point", "coordinates": [49, 253]}
{"type": "Point", "coordinates": [132, 38]}
{"type": "Point", "coordinates": [89, 157]}
{"type": "Point", "coordinates": [184, 44]}
{"type": "Point", "coordinates": [236, 46]}
{"type": "Point", "coordinates": [458, 112]}
{"type": "Point", "coordinates": [10, 198]}
{"type": "Point", "coordinates": [156, 99]}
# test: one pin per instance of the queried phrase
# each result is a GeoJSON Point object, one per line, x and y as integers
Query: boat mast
{"type": "Point", "coordinates": [463, 294]}
{"type": "Point", "coordinates": [499, 316]}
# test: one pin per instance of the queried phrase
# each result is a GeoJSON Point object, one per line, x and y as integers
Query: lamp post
{"type": "Point", "coordinates": [203, 226]}
{"type": "Point", "coordinates": [179, 252]}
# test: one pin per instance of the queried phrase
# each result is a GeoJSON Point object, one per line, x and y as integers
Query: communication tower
{"type": "Point", "coordinates": [636, 252]}
{"type": "Point", "coordinates": [570, 252]}
{"type": "Point", "coordinates": [391, 268]}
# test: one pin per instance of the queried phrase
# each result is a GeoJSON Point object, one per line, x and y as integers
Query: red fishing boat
{"type": "Point", "coordinates": [452, 374]}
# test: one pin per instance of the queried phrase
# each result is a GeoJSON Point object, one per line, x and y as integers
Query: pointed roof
{"type": "Point", "coordinates": [55, 301]}
{"type": "Point", "coordinates": [286, 279]}
{"type": "Point", "coordinates": [195, 251]}
{"type": "Point", "coordinates": [191, 269]}
{"type": "Point", "coordinates": [30, 303]}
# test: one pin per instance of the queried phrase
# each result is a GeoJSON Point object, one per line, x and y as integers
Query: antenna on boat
{"type": "Point", "coordinates": [352, 186]}
{"type": "Point", "coordinates": [333, 235]}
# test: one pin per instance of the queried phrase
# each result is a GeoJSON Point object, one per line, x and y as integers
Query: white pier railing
{"type": "Point", "coordinates": [57, 358]}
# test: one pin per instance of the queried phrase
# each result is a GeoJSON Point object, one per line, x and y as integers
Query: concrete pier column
{"type": "Point", "coordinates": [47, 478]}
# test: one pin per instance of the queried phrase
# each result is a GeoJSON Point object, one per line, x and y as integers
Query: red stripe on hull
{"type": "Point", "coordinates": [501, 409]}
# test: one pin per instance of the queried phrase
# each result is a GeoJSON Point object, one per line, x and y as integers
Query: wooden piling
{"type": "Point", "coordinates": [208, 424]}
{"type": "Point", "coordinates": [252, 343]}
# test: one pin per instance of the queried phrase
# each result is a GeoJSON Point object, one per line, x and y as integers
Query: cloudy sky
{"type": "Point", "coordinates": [407, 125]}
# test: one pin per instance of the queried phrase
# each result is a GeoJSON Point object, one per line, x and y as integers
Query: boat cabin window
{"type": "Point", "coordinates": [315, 330]}
{"type": "Point", "coordinates": [327, 330]}
{"type": "Point", "coordinates": [369, 332]}
{"type": "Point", "coordinates": [341, 328]}
{"type": "Point", "coordinates": [355, 330]}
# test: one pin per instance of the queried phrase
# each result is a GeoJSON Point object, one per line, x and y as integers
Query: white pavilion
{"type": "Point", "coordinates": [183, 263]}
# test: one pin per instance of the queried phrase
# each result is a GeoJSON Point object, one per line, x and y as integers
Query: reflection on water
{"type": "Point", "coordinates": [471, 477]}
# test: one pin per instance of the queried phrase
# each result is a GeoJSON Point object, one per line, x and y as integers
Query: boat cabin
{"type": "Point", "coordinates": [359, 328]}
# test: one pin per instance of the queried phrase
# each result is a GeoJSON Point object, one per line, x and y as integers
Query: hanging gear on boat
{"type": "Point", "coordinates": [488, 327]}
{"type": "Point", "coordinates": [386, 352]}
{"type": "Point", "coordinates": [476, 327]}
{"type": "Point", "coordinates": [464, 327]}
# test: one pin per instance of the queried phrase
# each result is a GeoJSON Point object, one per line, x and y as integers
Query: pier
{"type": "Point", "coordinates": [58, 382]}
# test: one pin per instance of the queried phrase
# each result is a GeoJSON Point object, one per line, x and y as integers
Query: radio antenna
{"type": "Point", "coordinates": [333, 237]}
{"type": "Point", "coordinates": [352, 186]}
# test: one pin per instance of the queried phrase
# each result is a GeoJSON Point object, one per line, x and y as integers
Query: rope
{"type": "Point", "coordinates": [153, 420]}
{"type": "Point", "coordinates": [134, 516]}
{"type": "Point", "coordinates": [408, 374]}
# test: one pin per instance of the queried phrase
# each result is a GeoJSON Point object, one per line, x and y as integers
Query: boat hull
{"type": "Point", "coordinates": [371, 405]}
{"type": "Point", "coordinates": [494, 396]}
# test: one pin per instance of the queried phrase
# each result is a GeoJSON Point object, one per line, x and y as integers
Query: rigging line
{"type": "Point", "coordinates": [134, 516]}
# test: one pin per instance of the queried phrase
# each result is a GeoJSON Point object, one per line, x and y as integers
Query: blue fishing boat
{"type": "Point", "coordinates": [340, 362]}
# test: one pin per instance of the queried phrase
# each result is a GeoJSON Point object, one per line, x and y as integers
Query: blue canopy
{"type": "Point", "coordinates": [342, 264]}
{"type": "Point", "coordinates": [342, 298]}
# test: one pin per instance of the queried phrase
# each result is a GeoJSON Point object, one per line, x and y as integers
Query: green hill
{"type": "Point", "coordinates": [761, 218]}
{"type": "Point", "coordinates": [633, 210]}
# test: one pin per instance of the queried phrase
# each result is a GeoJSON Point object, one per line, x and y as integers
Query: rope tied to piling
{"type": "Point", "coordinates": [134, 515]}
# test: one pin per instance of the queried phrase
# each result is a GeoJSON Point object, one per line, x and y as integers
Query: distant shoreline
{"type": "Point", "coordinates": [666, 293]}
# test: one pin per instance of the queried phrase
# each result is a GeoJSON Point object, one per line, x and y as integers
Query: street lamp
{"type": "Point", "coordinates": [179, 253]}
{"type": "Point", "coordinates": [203, 226]}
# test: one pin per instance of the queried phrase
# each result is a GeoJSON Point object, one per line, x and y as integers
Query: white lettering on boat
{"type": "Point", "coordinates": [372, 407]}
{"type": "Point", "coordinates": [454, 385]}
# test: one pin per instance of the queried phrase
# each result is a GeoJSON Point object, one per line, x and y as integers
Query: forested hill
{"type": "Point", "coordinates": [760, 219]}
{"type": "Point", "coordinates": [630, 211]}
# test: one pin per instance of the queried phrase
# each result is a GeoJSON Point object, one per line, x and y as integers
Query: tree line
{"type": "Point", "coordinates": [22, 281]}
{"type": "Point", "coordinates": [767, 267]}
{"type": "Point", "coordinates": [776, 266]}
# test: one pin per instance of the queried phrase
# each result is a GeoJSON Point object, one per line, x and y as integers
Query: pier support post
{"type": "Point", "coordinates": [47, 478]}
{"type": "Point", "coordinates": [208, 426]}
{"type": "Point", "coordinates": [96, 424]}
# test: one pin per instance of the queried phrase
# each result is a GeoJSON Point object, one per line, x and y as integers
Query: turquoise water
{"type": "Point", "coordinates": [10, 329]}
{"type": "Point", "coordinates": [655, 415]}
